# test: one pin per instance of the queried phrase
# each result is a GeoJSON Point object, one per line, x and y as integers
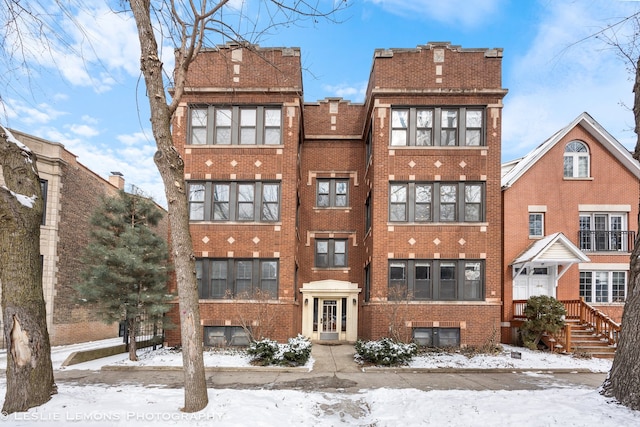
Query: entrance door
{"type": "Point", "coordinates": [329, 320]}
{"type": "Point", "coordinates": [539, 282]}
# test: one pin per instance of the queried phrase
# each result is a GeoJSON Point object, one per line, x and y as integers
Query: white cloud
{"type": "Point", "coordinates": [454, 12]}
{"type": "Point", "coordinates": [136, 138]}
{"type": "Point", "coordinates": [85, 131]}
{"type": "Point", "coordinates": [42, 113]}
{"type": "Point", "coordinates": [565, 73]}
{"type": "Point", "coordinates": [353, 93]}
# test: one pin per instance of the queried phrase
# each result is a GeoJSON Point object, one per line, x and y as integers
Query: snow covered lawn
{"type": "Point", "coordinates": [129, 405]}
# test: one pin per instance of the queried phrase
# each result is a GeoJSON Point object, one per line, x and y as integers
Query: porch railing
{"type": "Point", "coordinates": [603, 326]}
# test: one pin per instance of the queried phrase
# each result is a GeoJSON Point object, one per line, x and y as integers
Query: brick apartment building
{"type": "Point", "coordinates": [342, 220]}
{"type": "Point", "coordinates": [72, 192]}
{"type": "Point", "coordinates": [570, 221]}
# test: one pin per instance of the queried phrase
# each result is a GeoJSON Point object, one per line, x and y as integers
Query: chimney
{"type": "Point", "coordinates": [117, 180]}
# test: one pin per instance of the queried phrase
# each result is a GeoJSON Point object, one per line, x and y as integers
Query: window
{"type": "Point", "coordinates": [536, 224]}
{"type": "Point", "coordinates": [222, 336]}
{"type": "Point", "coordinates": [605, 232]}
{"type": "Point", "coordinates": [576, 160]}
{"type": "Point", "coordinates": [44, 187]}
{"type": "Point", "coordinates": [436, 202]}
{"type": "Point", "coordinates": [367, 214]}
{"type": "Point", "coordinates": [331, 253]}
{"type": "Point", "coordinates": [234, 125]}
{"type": "Point", "coordinates": [441, 280]}
{"type": "Point", "coordinates": [242, 278]}
{"type": "Point", "coordinates": [332, 193]}
{"type": "Point", "coordinates": [603, 286]}
{"type": "Point", "coordinates": [437, 337]}
{"type": "Point", "coordinates": [423, 127]}
{"type": "Point", "coordinates": [234, 201]}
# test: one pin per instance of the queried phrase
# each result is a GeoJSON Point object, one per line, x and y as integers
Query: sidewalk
{"type": "Point", "coordinates": [334, 370]}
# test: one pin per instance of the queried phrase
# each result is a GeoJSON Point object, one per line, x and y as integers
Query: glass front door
{"type": "Point", "coordinates": [329, 320]}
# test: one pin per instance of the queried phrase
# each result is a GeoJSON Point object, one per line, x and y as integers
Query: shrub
{"type": "Point", "coordinates": [385, 351]}
{"type": "Point", "coordinates": [545, 315]}
{"type": "Point", "coordinates": [295, 352]}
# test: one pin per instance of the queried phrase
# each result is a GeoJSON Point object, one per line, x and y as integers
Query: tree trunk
{"type": "Point", "coordinates": [29, 370]}
{"type": "Point", "coordinates": [623, 381]}
{"type": "Point", "coordinates": [171, 168]}
{"type": "Point", "coordinates": [133, 339]}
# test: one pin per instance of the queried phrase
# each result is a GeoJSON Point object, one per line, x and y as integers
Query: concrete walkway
{"type": "Point", "coordinates": [334, 370]}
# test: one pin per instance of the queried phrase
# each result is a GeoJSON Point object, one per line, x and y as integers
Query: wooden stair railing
{"type": "Point", "coordinates": [578, 310]}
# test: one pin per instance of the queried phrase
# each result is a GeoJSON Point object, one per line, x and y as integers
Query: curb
{"type": "Point", "coordinates": [298, 369]}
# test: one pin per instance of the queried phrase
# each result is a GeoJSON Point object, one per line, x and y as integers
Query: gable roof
{"type": "Point", "coordinates": [514, 169]}
{"type": "Point", "coordinates": [555, 248]}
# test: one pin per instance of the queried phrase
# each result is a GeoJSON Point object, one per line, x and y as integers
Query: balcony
{"type": "Point", "coordinates": [606, 241]}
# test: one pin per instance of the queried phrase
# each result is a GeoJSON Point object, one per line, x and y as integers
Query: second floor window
{"type": "Point", "coordinates": [605, 232]}
{"type": "Point", "coordinates": [436, 202]}
{"type": "Point", "coordinates": [234, 201]}
{"type": "Point", "coordinates": [423, 127]}
{"type": "Point", "coordinates": [536, 224]}
{"type": "Point", "coordinates": [332, 193]}
{"type": "Point", "coordinates": [330, 253]}
{"type": "Point", "coordinates": [235, 125]}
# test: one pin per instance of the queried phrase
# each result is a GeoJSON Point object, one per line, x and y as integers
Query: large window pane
{"type": "Point", "coordinates": [422, 288]}
{"type": "Point", "coordinates": [448, 281]}
{"type": "Point", "coordinates": [322, 253]}
{"type": "Point", "coordinates": [270, 202]}
{"type": "Point", "coordinates": [221, 202]}
{"type": "Point", "coordinates": [397, 280]}
{"type": "Point", "coordinates": [196, 201]}
{"type": "Point", "coordinates": [223, 126]}
{"type": "Point", "coordinates": [399, 126]}
{"type": "Point", "coordinates": [449, 127]}
{"type": "Point", "coordinates": [323, 194]}
{"type": "Point", "coordinates": [423, 203]}
{"type": "Point", "coordinates": [247, 126]}
{"type": "Point", "coordinates": [398, 199]}
{"type": "Point", "coordinates": [269, 278]}
{"type": "Point", "coordinates": [243, 278]}
{"type": "Point", "coordinates": [218, 279]}
{"type": "Point", "coordinates": [424, 127]}
{"type": "Point", "coordinates": [474, 127]}
{"type": "Point", "coordinates": [448, 197]}
{"type": "Point", "coordinates": [586, 286]}
{"type": "Point", "coordinates": [473, 202]}
{"type": "Point", "coordinates": [246, 194]}
{"type": "Point", "coordinates": [618, 288]}
{"type": "Point", "coordinates": [472, 281]}
{"type": "Point", "coordinates": [339, 253]}
{"type": "Point", "coordinates": [272, 123]}
{"type": "Point", "coordinates": [341, 193]}
{"type": "Point", "coordinates": [199, 126]}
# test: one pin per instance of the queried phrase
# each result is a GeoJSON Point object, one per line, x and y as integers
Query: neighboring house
{"type": "Point", "coordinates": [345, 220]}
{"type": "Point", "coordinates": [72, 192]}
{"type": "Point", "coordinates": [570, 221]}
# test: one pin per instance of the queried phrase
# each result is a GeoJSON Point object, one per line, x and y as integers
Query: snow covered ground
{"type": "Point", "coordinates": [128, 405]}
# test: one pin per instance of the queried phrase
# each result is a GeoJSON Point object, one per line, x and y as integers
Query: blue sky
{"type": "Point", "coordinates": [96, 107]}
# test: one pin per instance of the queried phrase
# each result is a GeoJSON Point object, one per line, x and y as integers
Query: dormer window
{"type": "Point", "coordinates": [576, 160]}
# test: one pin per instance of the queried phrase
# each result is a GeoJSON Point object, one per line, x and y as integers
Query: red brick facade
{"type": "Point", "coordinates": [607, 194]}
{"type": "Point", "coordinates": [333, 141]}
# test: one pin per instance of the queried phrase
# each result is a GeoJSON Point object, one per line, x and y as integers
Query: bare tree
{"type": "Point", "coordinates": [623, 381]}
{"type": "Point", "coordinates": [29, 370]}
{"type": "Point", "coordinates": [188, 26]}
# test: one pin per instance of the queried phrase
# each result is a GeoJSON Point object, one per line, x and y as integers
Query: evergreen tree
{"type": "Point", "coordinates": [126, 264]}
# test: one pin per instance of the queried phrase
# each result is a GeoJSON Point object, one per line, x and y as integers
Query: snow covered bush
{"type": "Point", "coordinates": [545, 315]}
{"type": "Point", "coordinates": [295, 352]}
{"type": "Point", "coordinates": [385, 351]}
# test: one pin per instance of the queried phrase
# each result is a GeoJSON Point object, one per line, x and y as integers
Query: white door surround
{"type": "Point", "coordinates": [330, 310]}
